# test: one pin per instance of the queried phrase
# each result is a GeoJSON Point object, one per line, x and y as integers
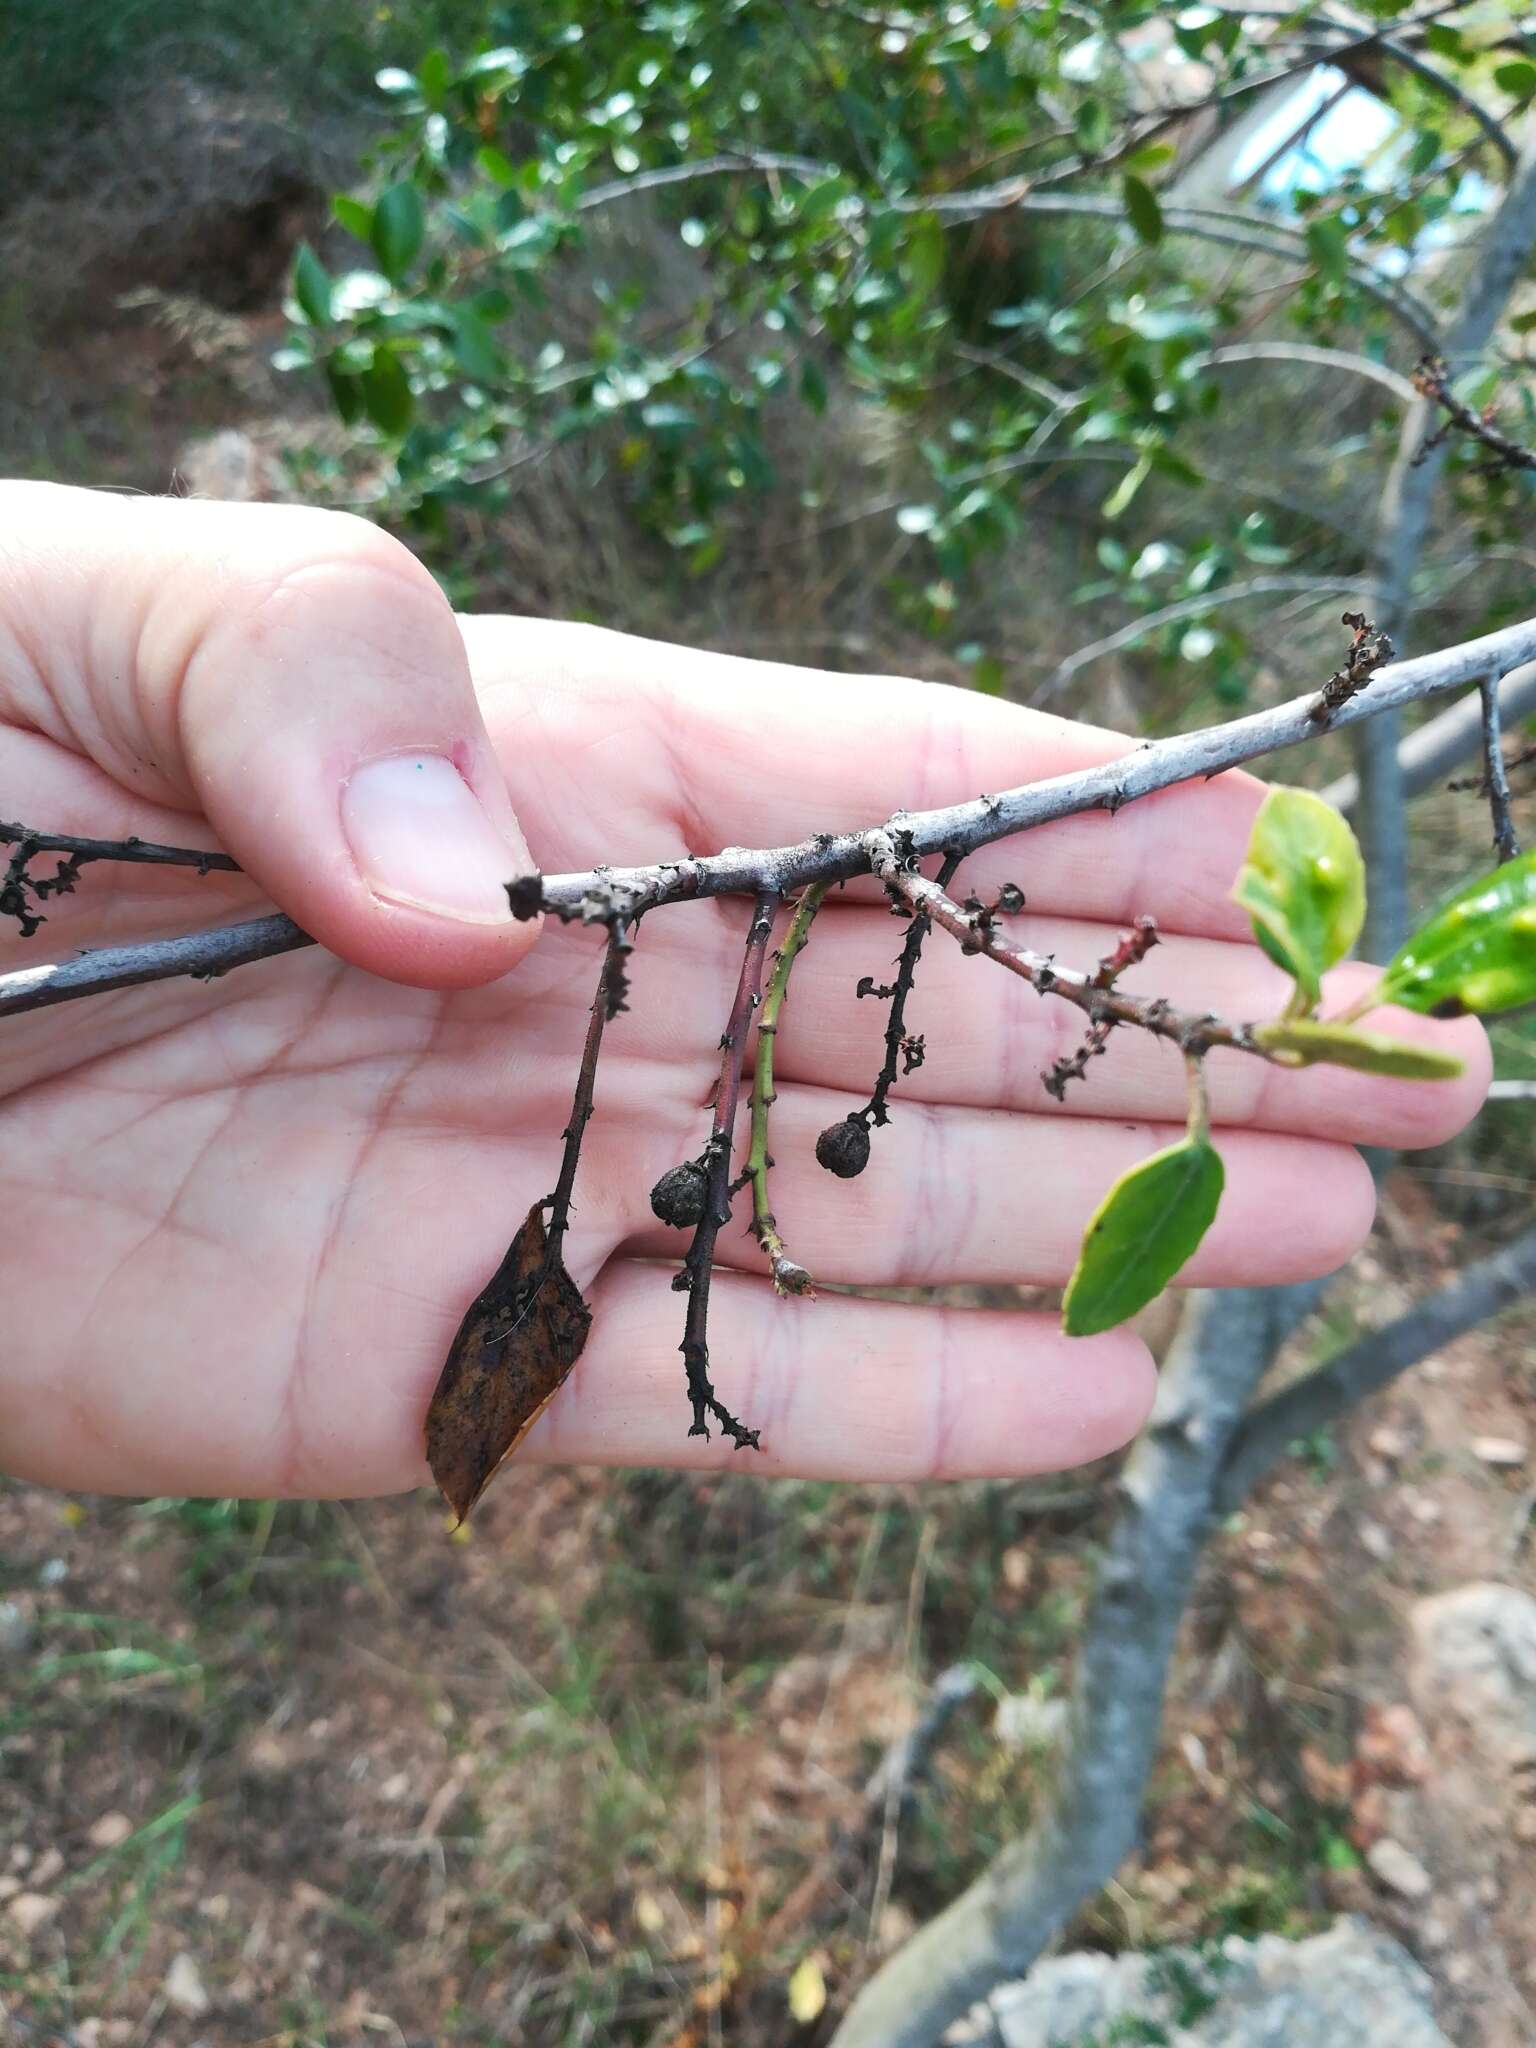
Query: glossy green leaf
{"type": "Point", "coordinates": [1143, 1231]}
{"type": "Point", "coordinates": [1518, 78]}
{"type": "Point", "coordinates": [311, 286]}
{"type": "Point", "coordinates": [387, 395]}
{"type": "Point", "coordinates": [354, 215]}
{"type": "Point", "coordinates": [1303, 1042]}
{"type": "Point", "coordinates": [1478, 951]}
{"type": "Point", "coordinates": [1142, 210]}
{"type": "Point", "coordinates": [1303, 884]}
{"type": "Point", "coordinates": [398, 228]}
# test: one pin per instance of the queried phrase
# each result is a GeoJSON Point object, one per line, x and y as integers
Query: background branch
{"type": "Point", "coordinates": [1327, 1394]}
{"type": "Point", "coordinates": [1087, 1823]}
{"type": "Point", "coordinates": [1495, 774]}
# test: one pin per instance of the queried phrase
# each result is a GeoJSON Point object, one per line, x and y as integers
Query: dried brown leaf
{"type": "Point", "coordinates": [521, 1336]}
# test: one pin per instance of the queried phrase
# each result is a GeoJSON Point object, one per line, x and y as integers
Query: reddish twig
{"type": "Point", "coordinates": [694, 1278]}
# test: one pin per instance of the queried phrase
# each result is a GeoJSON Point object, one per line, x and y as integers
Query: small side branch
{"type": "Point", "coordinates": [698, 1266]}
{"type": "Point", "coordinates": [1133, 947]}
{"type": "Point", "coordinates": [1431, 381]}
{"type": "Point", "coordinates": [977, 933]}
{"type": "Point", "coordinates": [789, 1276]}
{"type": "Point", "coordinates": [611, 998]}
{"type": "Point", "coordinates": [21, 891]}
{"type": "Point", "coordinates": [1496, 772]}
{"type": "Point", "coordinates": [900, 1048]}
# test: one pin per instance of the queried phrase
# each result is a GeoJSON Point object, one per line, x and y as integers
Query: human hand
{"type": "Point", "coordinates": [244, 1218]}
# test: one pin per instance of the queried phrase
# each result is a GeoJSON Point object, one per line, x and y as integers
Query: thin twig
{"type": "Point", "coordinates": [1137, 630]}
{"type": "Point", "coordinates": [21, 891]}
{"type": "Point", "coordinates": [1495, 772]}
{"type": "Point", "coordinates": [900, 1047]}
{"type": "Point", "coordinates": [1431, 381]}
{"type": "Point", "coordinates": [789, 1276]}
{"type": "Point", "coordinates": [698, 1266]}
{"type": "Point", "coordinates": [977, 933]}
{"type": "Point", "coordinates": [145, 852]}
{"type": "Point", "coordinates": [607, 1003]}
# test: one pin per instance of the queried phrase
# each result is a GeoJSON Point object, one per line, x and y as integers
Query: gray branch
{"type": "Point", "coordinates": [834, 857]}
{"type": "Point", "coordinates": [1312, 357]}
{"type": "Point", "coordinates": [1407, 501]}
{"type": "Point", "coordinates": [1428, 755]}
{"type": "Point", "coordinates": [1495, 774]}
{"type": "Point", "coordinates": [1330, 1391]}
{"type": "Point", "coordinates": [1169, 615]}
{"type": "Point", "coordinates": [1230, 227]}
{"type": "Point", "coordinates": [203, 955]}
{"type": "Point", "coordinates": [1089, 1820]}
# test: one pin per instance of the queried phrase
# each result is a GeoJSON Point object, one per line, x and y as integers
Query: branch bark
{"type": "Point", "coordinates": [1328, 1393]}
{"type": "Point", "coordinates": [1088, 1822]}
{"type": "Point", "coordinates": [1403, 524]}
{"type": "Point", "coordinates": [1429, 754]}
{"type": "Point", "coordinates": [601, 894]}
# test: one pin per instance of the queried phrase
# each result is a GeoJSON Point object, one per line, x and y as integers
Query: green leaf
{"type": "Point", "coordinates": [1518, 79]}
{"type": "Point", "coordinates": [1143, 1231]}
{"type": "Point", "coordinates": [387, 395]}
{"type": "Point", "coordinates": [1306, 1043]}
{"type": "Point", "coordinates": [397, 230]}
{"type": "Point", "coordinates": [1142, 210]}
{"type": "Point", "coordinates": [475, 346]}
{"type": "Point", "coordinates": [311, 286]}
{"type": "Point", "coordinates": [497, 165]}
{"type": "Point", "coordinates": [1477, 953]}
{"type": "Point", "coordinates": [925, 255]}
{"type": "Point", "coordinates": [346, 392]}
{"type": "Point", "coordinates": [813, 384]}
{"type": "Point", "coordinates": [354, 215]}
{"type": "Point", "coordinates": [1120, 497]}
{"type": "Point", "coordinates": [1303, 884]}
{"type": "Point", "coordinates": [1328, 242]}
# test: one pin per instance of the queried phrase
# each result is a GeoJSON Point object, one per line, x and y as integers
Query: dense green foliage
{"type": "Point", "coordinates": [670, 236]}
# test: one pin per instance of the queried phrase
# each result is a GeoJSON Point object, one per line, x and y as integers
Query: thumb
{"type": "Point", "coordinates": [299, 679]}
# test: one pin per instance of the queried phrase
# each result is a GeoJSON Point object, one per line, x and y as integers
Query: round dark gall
{"type": "Point", "coordinates": [843, 1148]}
{"type": "Point", "coordinates": [678, 1197]}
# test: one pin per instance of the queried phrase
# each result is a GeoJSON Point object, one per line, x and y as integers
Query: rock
{"type": "Point", "coordinates": [30, 1910]}
{"type": "Point", "coordinates": [1350, 1987]}
{"type": "Point", "coordinates": [1475, 1662]}
{"type": "Point", "coordinates": [184, 1989]}
{"type": "Point", "coordinates": [109, 1831]}
{"type": "Point", "coordinates": [1498, 1450]}
{"type": "Point", "coordinates": [16, 1630]}
{"type": "Point", "coordinates": [1398, 1869]}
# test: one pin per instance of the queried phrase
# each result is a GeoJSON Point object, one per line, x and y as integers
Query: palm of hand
{"type": "Point", "coordinates": [245, 1218]}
